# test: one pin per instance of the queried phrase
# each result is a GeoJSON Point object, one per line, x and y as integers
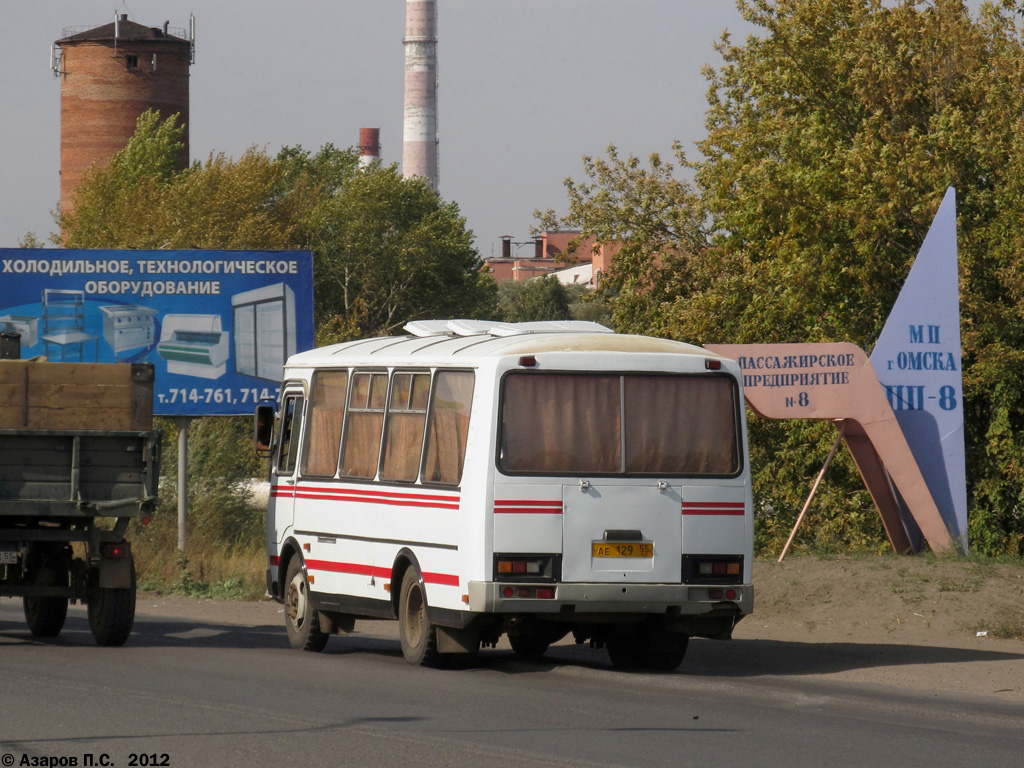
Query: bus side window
{"type": "Point", "coordinates": [363, 424]}
{"type": "Point", "coordinates": [448, 427]}
{"type": "Point", "coordinates": [322, 440]}
{"type": "Point", "coordinates": [291, 418]}
{"type": "Point", "coordinates": [403, 436]}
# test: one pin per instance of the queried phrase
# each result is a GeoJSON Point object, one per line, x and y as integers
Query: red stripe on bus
{"type": "Point", "coordinates": [275, 559]}
{"type": "Point", "coordinates": [367, 497]}
{"type": "Point", "coordinates": [445, 579]}
{"type": "Point", "coordinates": [521, 507]}
{"type": "Point", "coordinates": [453, 499]}
{"type": "Point", "coordinates": [523, 503]}
{"type": "Point", "coordinates": [350, 568]}
{"type": "Point", "coordinates": [528, 510]}
{"type": "Point", "coordinates": [713, 508]}
{"type": "Point", "coordinates": [363, 500]}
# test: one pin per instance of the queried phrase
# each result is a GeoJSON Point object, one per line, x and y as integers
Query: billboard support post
{"type": "Point", "coordinates": [182, 423]}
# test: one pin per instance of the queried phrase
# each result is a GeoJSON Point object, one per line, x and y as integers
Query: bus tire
{"type": "Point", "coordinates": [648, 649]}
{"type": "Point", "coordinates": [417, 633]}
{"type": "Point", "coordinates": [300, 620]}
{"type": "Point", "coordinates": [111, 611]}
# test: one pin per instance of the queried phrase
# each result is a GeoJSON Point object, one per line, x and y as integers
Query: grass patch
{"type": "Point", "coordinates": [1008, 625]}
{"type": "Point", "coordinates": [210, 568]}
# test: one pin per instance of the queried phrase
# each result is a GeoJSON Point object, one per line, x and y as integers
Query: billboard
{"type": "Point", "coordinates": [217, 325]}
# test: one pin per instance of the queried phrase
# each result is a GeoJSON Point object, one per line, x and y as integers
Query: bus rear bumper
{"type": "Point", "coordinates": [677, 599]}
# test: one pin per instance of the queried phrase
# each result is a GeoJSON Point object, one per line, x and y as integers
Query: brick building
{"type": "Point", "coordinates": [551, 255]}
{"type": "Point", "coordinates": [109, 76]}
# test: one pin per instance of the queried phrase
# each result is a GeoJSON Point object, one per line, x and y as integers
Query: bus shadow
{"type": "Point", "coordinates": [761, 658]}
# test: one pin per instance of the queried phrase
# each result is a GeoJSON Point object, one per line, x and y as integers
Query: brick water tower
{"type": "Point", "coordinates": [109, 76]}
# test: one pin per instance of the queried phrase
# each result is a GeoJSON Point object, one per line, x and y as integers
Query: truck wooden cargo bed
{"type": "Point", "coordinates": [79, 459]}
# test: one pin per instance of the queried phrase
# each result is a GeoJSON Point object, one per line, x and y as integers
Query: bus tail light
{"type": "Point", "coordinates": [718, 568]}
{"type": "Point", "coordinates": [712, 569]}
{"type": "Point", "coordinates": [529, 593]}
{"type": "Point", "coordinates": [519, 567]}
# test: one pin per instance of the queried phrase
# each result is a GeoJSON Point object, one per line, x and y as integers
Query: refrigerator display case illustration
{"type": "Point", "coordinates": [264, 328]}
{"type": "Point", "coordinates": [127, 327]}
{"type": "Point", "coordinates": [194, 345]}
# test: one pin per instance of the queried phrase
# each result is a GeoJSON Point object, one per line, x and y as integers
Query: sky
{"type": "Point", "coordinates": [526, 88]}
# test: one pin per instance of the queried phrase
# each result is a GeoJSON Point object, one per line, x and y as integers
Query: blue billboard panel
{"type": "Point", "coordinates": [217, 325]}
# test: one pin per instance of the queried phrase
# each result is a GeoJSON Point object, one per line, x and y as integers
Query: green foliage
{"type": "Point", "coordinates": [386, 250]}
{"type": "Point", "coordinates": [534, 300]}
{"type": "Point", "coordinates": [832, 137]}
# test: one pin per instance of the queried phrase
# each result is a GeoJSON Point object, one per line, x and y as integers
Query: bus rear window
{"type": "Point", "coordinates": [576, 424]}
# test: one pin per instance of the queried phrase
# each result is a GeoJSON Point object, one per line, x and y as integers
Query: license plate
{"type": "Point", "coordinates": [622, 549]}
{"type": "Point", "coordinates": [8, 557]}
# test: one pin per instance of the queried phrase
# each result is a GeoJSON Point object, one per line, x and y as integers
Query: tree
{"type": "Point", "coordinates": [386, 249]}
{"type": "Point", "coordinates": [832, 137]}
{"type": "Point", "coordinates": [655, 217]}
{"type": "Point", "coordinates": [534, 300]}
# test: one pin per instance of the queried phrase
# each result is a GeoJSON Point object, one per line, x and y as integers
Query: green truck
{"type": "Point", "coordinates": [79, 459]}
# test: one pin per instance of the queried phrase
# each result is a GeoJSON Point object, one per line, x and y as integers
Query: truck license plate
{"type": "Point", "coordinates": [622, 549]}
{"type": "Point", "coordinates": [8, 557]}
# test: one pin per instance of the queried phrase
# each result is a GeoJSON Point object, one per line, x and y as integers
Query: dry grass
{"type": "Point", "coordinates": [207, 569]}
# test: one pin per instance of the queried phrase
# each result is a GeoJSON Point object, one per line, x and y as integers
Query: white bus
{"type": "Point", "coordinates": [476, 479]}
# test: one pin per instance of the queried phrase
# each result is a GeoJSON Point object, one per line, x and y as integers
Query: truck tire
{"type": "Point", "coordinates": [300, 620]}
{"type": "Point", "coordinates": [48, 566]}
{"type": "Point", "coordinates": [111, 611]}
{"type": "Point", "coordinates": [45, 615]}
{"type": "Point", "coordinates": [417, 633]}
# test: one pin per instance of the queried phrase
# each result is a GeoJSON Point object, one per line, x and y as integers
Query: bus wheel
{"type": "Point", "coordinates": [300, 620]}
{"type": "Point", "coordinates": [418, 635]}
{"type": "Point", "coordinates": [648, 649]}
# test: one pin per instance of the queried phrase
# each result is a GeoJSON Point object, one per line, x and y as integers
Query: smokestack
{"type": "Point", "coordinates": [369, 145]}
{"type": "Point", "coordinates": [419, 134]}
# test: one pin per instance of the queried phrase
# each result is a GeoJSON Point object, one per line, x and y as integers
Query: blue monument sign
{"type": "Point", "coordinates": [217, 325]}
{"type": "Point", "coordinates": [917, 359]}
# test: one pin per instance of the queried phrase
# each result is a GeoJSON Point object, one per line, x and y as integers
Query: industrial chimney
{"type": "Point", "coordinates": [419, 135]}
{"type": "Point", "coordinates": [369, 145]}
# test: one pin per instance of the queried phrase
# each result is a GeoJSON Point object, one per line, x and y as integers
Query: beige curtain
{"type": "Point", "coordinates": [561, 424]}
{"type": "Point", "coordinates": [327, 416]}
{"type": "Point", "coordinates": [681, 425]}
{"type": "Point", "coordinates": [362, 444]}
{"type": "Point", "coordinates": [449, 427]}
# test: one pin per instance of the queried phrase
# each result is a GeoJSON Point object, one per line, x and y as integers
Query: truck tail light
{"type": "Point", "coordinates": [115, 551]}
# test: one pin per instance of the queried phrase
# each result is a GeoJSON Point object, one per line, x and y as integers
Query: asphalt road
{"type": "Point", "coordinates": [209, 691]}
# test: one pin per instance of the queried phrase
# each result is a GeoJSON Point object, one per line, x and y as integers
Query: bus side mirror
{"type": "Point", "coordinates": [263, 431]}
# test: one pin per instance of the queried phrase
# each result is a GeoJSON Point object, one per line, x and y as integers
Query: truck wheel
{"type": "Point", "coordinates": [300, 620]}
{"type": "Point", "coordinates": [45, 615]}
{"type": "Point", "coordinates": [418, 635]}
{"type": "Point", "coordinates": [111, 611]}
